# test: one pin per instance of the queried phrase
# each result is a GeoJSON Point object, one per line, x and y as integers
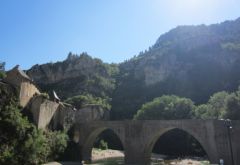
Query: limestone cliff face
{"type": "Point", "coordinates": [74, 76]}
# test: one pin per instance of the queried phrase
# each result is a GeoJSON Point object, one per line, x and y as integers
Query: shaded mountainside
{"type": "Point", "coordinates": [189, 61]}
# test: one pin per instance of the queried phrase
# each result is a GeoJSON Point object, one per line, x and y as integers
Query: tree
{"type": "Point", "coordinates": [201, 111]}
{"type": "Point", "coordinates": [2, 66]}
{"type": "Point", "coordinates": [233, 107]}
{"type": "Point", "coordinates": [217, 104]}
{"type": "Point", "coordinates": [215, 107]}
{"type": "Point", "coordinates": [57, 143]}
{"type": "Point", "coordinates": [2, 70]}
{"type": "Point", "coordinates": [20, 141]}
{"type": "Point", "coordinates": [166, 107]}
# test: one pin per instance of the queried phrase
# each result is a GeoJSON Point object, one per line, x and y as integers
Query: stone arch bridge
{"type": "Point", "coordinates": [138, 138]}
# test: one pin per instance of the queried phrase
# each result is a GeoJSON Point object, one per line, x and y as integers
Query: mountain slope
{"type": "Point", "coordinates": [189, 61]}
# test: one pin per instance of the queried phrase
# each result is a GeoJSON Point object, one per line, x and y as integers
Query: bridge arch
{"type": "Point", "coordinates": [158, 134]}
{"type": "Point", "coordinates": [91, 138]}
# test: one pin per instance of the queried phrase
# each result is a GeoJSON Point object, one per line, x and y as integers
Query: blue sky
{"type": "Point", "coordinates": [40, 31]}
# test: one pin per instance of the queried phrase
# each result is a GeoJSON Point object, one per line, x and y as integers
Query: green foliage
{"type": "Point", "coordinates": [45, 95]}
{"type": "Point", "coordinates": [103, 145]}
{"type": "Point", "coordinates": [221, 105]}
{"type": "Point", "coordinates": [20, 141]}
{"type": "Point", "coordinates": [56, 143]}
{"type": "Point", "coordinates": [215, 108]}
{"type": "Point", "coordinates": [82, 100]}
{"type": "Point", "coordinates": [2, 70]}
{"type": "Point", "coordinates": [2, 75]}
{"type": "Point", "coordinates": [233, 106]}
{"type": "Point", "coordinates": [166, 107]}
{"type": "Point", "coordinates": [201, 111]}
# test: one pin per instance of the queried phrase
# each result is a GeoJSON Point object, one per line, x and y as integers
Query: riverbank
{"type": "Point", "coordinates": [115, 157]}
{"type": "Point", "coordinates": [98, 154]}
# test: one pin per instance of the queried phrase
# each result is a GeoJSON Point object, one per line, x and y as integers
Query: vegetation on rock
{"type": "Point", "coordinates": [81, 100]}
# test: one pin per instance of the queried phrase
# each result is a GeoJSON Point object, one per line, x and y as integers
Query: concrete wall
{"type": "Point", "coordinates": [139, 137]}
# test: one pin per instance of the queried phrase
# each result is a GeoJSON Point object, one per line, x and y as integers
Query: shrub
{"type": "Point", "coordinates": [103, 145]}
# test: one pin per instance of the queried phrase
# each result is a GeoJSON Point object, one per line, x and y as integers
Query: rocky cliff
{"type": "Point", "coordinates": [76, 75]}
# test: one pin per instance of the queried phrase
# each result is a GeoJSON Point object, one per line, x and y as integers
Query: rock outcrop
{"type": "Point", "coordinates": [74, 76]}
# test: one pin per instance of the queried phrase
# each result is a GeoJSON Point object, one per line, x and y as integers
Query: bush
{"type": "Point", "coordinates": [2, 75]}
{"type": "Point", "coordinates": [221, 105]}
{"type": "Point", "coordinates": [103, 145]}
{"type": "Point", "coordinates": [20, 141]}
{"type": "Point", "coordinates": [82, 100]}
{"type": "Point", "coordinates": [57, 143]}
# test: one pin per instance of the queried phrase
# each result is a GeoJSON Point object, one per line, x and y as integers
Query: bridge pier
{"type": "Point", "coordinates": [134, 155]}
{"type": "Point", "coordinates": [86, 156]}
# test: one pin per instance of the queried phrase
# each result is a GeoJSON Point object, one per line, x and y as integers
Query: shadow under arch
{"type": "Point", "coordinates": [150, 145]}
{"type": "Point", "coordinates": [90, 140]}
